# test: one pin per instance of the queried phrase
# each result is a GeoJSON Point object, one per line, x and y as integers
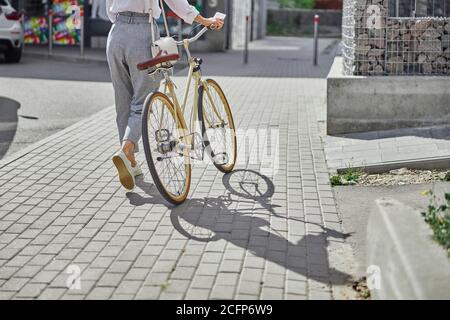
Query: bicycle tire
{"type": "Point", "coordinates": [228, 167]}
{"type": "Point", "coordinates": [181, 125]}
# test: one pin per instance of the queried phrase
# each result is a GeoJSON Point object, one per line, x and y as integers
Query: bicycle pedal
{"type": "Point", "coordinates": [220, 158]}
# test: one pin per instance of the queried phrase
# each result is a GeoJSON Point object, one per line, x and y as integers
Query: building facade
{"type": "Point", "coordinates": [39, 14]}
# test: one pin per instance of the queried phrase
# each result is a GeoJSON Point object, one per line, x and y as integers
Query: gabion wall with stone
{"type": "Point", "coordinates": [375, 43]}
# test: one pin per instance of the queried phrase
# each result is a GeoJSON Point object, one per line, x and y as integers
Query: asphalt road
{"type": "Point", "coordinates": [39, 97]}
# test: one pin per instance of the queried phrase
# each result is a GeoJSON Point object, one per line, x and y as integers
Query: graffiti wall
{"type": "Point", "coordinates": [65, 22]}
{"type": "Point", "coordinates": [36, 30]}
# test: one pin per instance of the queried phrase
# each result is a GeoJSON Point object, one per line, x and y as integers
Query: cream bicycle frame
{"type": "Point", "coordinates": [169, 90]}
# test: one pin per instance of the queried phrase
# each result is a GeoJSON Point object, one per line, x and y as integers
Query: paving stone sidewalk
{"type": "Point", "coordinates": [427, 147]}
{"type": "Point", "coordinates": [253, 234]}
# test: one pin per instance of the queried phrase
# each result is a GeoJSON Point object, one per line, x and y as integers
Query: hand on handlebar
{"type": "Point", "coordinates": [212, 23]}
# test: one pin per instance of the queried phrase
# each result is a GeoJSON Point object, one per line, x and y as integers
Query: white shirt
{"type": "Point", "coordinates": [180, 7]}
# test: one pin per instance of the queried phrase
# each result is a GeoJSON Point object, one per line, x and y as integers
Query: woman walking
{"type": "Point", "coordinates": [129, 43]}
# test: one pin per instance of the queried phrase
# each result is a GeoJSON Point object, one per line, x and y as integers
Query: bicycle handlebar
{"type": "Point", "coordinates": [193, 39]}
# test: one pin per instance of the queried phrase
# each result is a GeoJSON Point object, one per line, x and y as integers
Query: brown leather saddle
{"type": "Point", "coordinates": [161, 58]}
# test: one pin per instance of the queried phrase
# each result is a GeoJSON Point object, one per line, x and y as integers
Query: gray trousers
{"type": "Point", "coordinates": [129, 43]}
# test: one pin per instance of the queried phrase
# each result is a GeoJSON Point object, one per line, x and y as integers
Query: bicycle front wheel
{"type": "Point", "coordinates": [217, 124]}
{"type": "Point", "coordinates": [164, 138]}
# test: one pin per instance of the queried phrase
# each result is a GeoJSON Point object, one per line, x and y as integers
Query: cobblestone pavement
{"type": "Point", "coordinates": [389, 148]}
{"type": "Point", "coordinates": [253, 234]}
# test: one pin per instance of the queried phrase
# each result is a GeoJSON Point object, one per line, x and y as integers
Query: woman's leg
{"type": "Point", "coordinates": [123, 88]}
{"type": "Point", "coordinates": [138, 51]}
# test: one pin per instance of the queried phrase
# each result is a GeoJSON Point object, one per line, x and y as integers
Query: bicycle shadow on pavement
{"type": "Point", "coordinates": [211, 219]}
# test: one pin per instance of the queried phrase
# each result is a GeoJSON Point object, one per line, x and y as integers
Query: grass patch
{"type": "Point", "coordinates": [352, 175]}
{"type": "Point", "coordinates": [336, 181]}
{"type": "Point", "coordinates": [438, 217]}
{"type": "Point", "coordinates": [348, 177]}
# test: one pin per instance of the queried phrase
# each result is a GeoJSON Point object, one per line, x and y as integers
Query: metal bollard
{"type": "Point", "coordinates": [50, 32]}
{"type": "Point", "coordinates": [316, 38]}
{"type": "Point", "coordinates": [82, 31]}
{"type": "Point", "coordinates": [247, 38]}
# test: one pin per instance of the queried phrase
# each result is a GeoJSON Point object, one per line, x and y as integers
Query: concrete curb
{"type": "Point", "coordinates": [19, 154]}
{"type": "Point", "coordinates": [419, 164]}
{"type": "Point", "coordinates": [74, 59]}
{"type": "Point", "coordinates": [406, 262]}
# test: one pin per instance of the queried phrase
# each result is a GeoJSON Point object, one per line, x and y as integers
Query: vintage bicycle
{"type": "Point", "coordinates": [170, 144]}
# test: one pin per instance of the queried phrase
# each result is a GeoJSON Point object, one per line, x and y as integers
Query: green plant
{"type": "Point", "coordinates": [352, 175]}
{"type": "Point", "coordinates": [438, 217]}
{"type": "Point", "coordinates": [335, 181]}
{"type": "Point", "coordinates": [349, 176]}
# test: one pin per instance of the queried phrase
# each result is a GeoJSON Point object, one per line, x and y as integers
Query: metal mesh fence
{"type": "Point", "coordinates": [396, 37]}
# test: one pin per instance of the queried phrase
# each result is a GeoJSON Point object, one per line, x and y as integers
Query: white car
{"type": "Point", "coordinates": [11, 32]}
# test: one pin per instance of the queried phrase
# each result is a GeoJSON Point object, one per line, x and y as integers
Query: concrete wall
{"type": "Point", "coordinates": [298, 22]}
{"type": "Point", "coordinates": [240, 9]}
{"type": "Point", "coordinates": [360, 103]}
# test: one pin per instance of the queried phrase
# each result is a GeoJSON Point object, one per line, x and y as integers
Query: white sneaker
{"type": "Point", "coordinates": [125, 170]}
{"type": "Point", "coordinates": [137, 171]}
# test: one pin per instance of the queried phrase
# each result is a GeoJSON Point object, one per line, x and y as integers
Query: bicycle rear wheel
{"type": "Point", "coordinates": [164, 140]}
{"type": "Point", "coordinates": [217, 124]}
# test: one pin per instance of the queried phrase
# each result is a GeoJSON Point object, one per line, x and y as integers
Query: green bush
{"type": "Point", "coordinates": [300, 4]}
{"type": "Point", "coordinates": [438, 217]}
{"type": "Point", "coordinates": [305, 4]}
